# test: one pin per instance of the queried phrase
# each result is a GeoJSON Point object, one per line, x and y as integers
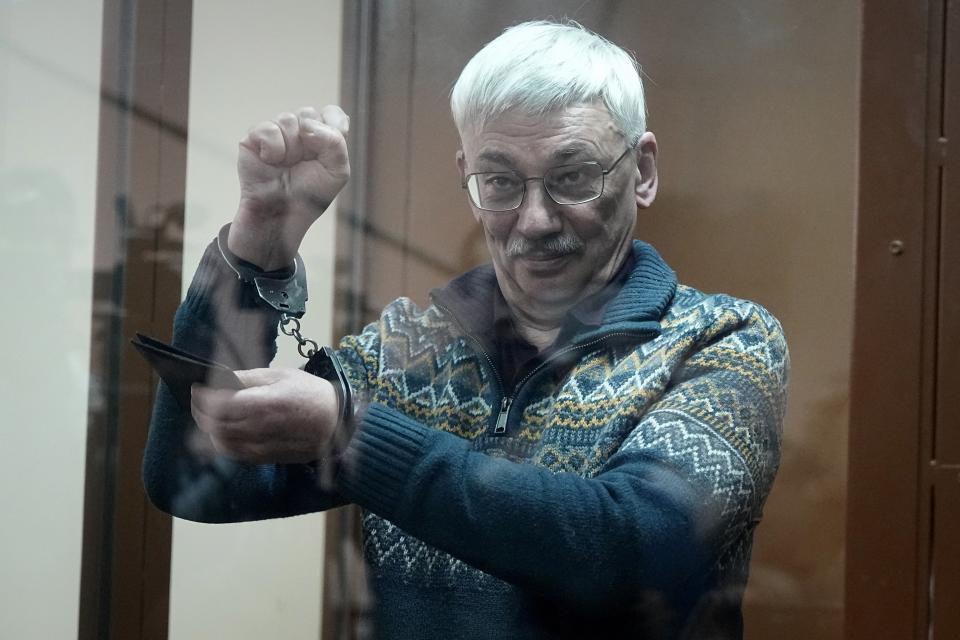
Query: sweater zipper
{"type": "Point", "coordinates": [507, 401]}
{"type": "Point", "coordinates": [501, 427]}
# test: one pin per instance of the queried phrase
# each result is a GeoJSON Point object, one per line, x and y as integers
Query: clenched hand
{"type": "Point", "coordinates": [290, 169]}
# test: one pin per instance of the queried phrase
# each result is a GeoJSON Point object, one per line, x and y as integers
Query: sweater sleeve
{"type": "Point", "coordinates": [686, 484]}
{"type": "Point", "coordinates": [222, 319]}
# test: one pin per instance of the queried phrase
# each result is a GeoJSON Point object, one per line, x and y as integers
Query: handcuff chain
{"type": "Point", "coordinates": [294, 330]}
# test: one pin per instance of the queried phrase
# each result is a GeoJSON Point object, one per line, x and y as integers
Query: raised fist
{"type": "Point", "coordinates": [290, 168]}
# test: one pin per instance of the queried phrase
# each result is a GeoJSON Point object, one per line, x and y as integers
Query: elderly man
{"type": "Point", "coordinates": [565, 443]}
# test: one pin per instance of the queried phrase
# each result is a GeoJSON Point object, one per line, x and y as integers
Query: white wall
{"type": "Point", "coordinates": [49, 101]}
{"type": "Point", "coordinates": [250, 61]}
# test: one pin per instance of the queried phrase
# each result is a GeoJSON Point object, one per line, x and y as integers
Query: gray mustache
{"type": "Point", "coordinates": [551, 247]}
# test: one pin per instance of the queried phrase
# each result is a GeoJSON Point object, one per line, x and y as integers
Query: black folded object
{"type": "Point", "coordinates": [180, 369]}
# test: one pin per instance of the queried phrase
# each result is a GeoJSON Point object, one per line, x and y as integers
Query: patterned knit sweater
{"type": "Point", "coordinates": [611, 492]}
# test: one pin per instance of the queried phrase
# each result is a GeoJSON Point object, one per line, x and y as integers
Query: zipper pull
{"type": "Point", "coordinates": [501, 427]}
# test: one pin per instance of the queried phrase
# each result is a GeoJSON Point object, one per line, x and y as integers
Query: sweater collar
{"type": "Point", "coordinates": [637, 307]}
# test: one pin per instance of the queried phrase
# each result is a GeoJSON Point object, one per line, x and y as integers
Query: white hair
{"type": "Point", "coordinates": [541, 66]}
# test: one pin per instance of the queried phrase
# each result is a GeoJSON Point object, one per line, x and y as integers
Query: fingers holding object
{"type": "Point", "coordinates": [223, 413]}
{"type": "Point", "coordinates": [215, 404]}
{"type": "Point", "coordinates": [281, 415]}
{"type": "Point", "coordinates": [250, 405]}
{"type": "Point", "coordinates": [229, 419]}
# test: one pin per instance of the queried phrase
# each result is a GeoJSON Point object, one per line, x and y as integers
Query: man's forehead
{"type": "Point", "coordinates": [588, 115]}
{"type": "Point", "coordinates": [568, 151]}
{"type": "Point", "coordinates": [565, 133]}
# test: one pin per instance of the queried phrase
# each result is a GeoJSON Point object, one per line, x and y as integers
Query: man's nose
{"type": "Point", "coordinates": [538, 214]}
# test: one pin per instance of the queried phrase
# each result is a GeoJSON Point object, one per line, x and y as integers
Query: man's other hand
{"type": "Point", "coordinates": [290, 169]}
{"type": "Point", "coordinates": [281, 416]}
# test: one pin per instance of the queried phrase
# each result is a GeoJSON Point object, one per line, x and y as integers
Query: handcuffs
{"type": "Point", "coordinates": [288, 296]}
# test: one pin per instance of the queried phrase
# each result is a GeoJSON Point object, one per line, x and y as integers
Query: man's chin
{"type": "Point", "coordinates": [549, 290]}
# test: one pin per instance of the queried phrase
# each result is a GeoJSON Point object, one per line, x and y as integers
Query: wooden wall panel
{"type": "Point", "coordinates": [140, 195]}
{"type": "Point", "coordinates": [945, 569]}
{"type": "Point", "coordinates": [882, 596]}
{"type": "Point", "coordinates": [948, 339]}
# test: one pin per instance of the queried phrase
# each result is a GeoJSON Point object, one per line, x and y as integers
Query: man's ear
{"type": "Point", "coordinates": [462, 168]}
{"type": "Point", "coordinates": [461, 164]}
{"type": "Point", "coordinates": [646, 189]}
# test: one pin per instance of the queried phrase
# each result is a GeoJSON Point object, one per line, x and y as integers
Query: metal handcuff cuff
{"type": "Point", "coordinates": [289, 297]}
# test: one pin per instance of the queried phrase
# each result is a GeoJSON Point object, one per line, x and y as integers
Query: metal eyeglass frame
{"type": "Point", "coordinates": [524, 181]}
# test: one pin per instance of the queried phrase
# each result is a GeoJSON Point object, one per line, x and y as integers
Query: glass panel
{"type": "Point", "coordinates": [262, 579]}
{"type": "Point", "coordinates": [49, 100]}
{"type": "Point", "coordinates": [755, 112]}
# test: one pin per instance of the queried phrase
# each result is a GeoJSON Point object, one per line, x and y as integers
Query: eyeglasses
{"type": "Point", "coordinates": [576, 183]}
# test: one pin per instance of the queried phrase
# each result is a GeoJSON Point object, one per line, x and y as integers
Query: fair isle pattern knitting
{"type": "Point", "coordinates": [705, 397]}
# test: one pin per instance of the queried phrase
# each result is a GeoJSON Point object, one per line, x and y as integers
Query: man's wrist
{"type": "Point", "coordinates": [270, 234]}
{"type": "Point", "coordinates": [285, 290]}
{"type": "Point", "coordinates": [325, 364]}
{"type": "Point", "coordinates": [264, 245]}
